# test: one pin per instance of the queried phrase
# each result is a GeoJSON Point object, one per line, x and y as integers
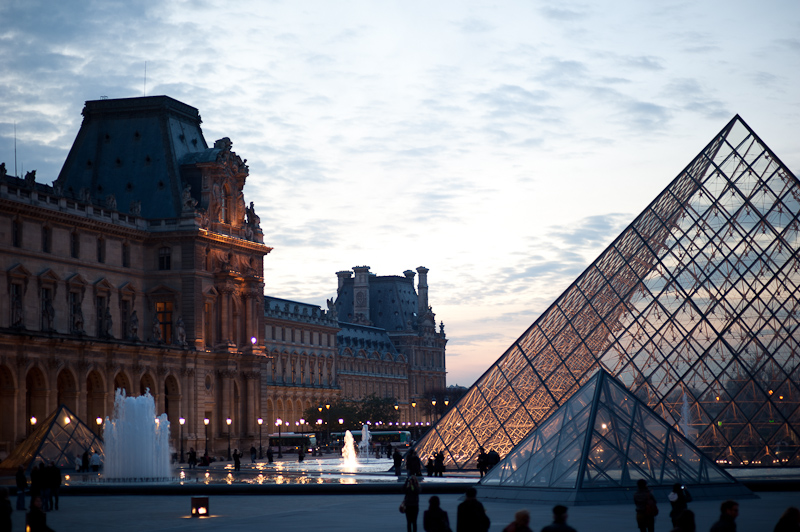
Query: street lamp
{"type": "Point", "coordinates": [181, 421]}
{"type": "Point", "coordinates": [279, 423]}
{"type": "Point", "coordinates": [446, 401]}
{"type": "Point", "coordinates": [302, 428]}
{"type": "Point", "coordinates": [328, 439]}
{"type": "Point", "coordinates": [433, 410]}
{"type": "Point", "coordinates": [260, 449]}
{"type": "Point", "coordinates": [229, 421]}
{"type": "Point", "coordinates": [206, 422]}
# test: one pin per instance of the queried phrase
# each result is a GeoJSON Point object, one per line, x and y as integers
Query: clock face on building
{"type": "Point", "coordinates": [361, 298]}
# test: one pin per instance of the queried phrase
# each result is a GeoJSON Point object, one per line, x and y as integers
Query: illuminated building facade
{"type": "Point", "coordinates": [140, 268]}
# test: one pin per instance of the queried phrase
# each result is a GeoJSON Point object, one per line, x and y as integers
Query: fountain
{"type": "Point", "coordinates": [349, 450]}
{"type": "Point", "coordinates": [363, 445]}
{"type": "Point", "coordinates": [136, 441]}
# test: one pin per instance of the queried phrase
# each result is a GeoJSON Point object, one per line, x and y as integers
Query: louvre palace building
{"type": "Point", "coordinates": [142, 268]}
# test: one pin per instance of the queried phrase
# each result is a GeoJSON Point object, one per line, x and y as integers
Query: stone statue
{"type": "Point", "coordinates": [17, 316]}
{"type": "Point", "coordinates": [49, 315]}
{"type": "Point", "coordinates": [156, 330]}
{"type": "Point", "coordinates": [187, 201]}
{"type": "Point", "coordinates": [111, 202]}
{"type": "Point", "coordinates": [252, 218]}
{"type": "Point", "coordinates": [133, 326]}
{"type": "Point", "coordinates": [30, 178]}
{"type": "Point", "coordinates": [77, 321]}
{"type": "Point", "coordinates": [136, 208]}
{"type": "Point", "coordinates": [3, 171]}
{"type": "Point", "coordinates": [332, 309]}
{"type": "Point", "coordinates": [85, 195]}
{"type": "Point", "coordinates": [180, 332]}
{"type": "Point", "coordinates": [108, 323]}
{"type": "Point", "coordinates": [441, 327]}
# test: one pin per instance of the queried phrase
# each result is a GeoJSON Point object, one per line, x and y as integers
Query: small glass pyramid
{"type": "Point", "coordinates": [60, 438]}
{"type": "Point", "coordinates": [694, 307]}
{"type": "Point", "coordinates": [596, 447]}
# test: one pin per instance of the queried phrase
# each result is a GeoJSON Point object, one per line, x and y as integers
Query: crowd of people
{"type": "Point", "coordinates": [43, 493]}
{"type": "Point", "coordinates": [683, 519]}
{"type": "Point", "coordinates": [470, 514]}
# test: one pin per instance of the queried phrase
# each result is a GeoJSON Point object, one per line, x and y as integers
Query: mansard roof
{"type": "Point", "coordinates": [286, 309]}
{"type": "Point", "coordinates": [392, 302]}
{"type": "Point", "coordinates": [370, 339]}
{"type": "Point", "coordinates": [132, 148]}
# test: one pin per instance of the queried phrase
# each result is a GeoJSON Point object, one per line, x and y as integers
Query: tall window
{"type": "Point", "coordinates": [126, 256]}
{"type": "Point", "coordinates": [101, 250]}
{"type": "Point", "coordinates": [74, 245]}
{"type": "Point", "coordinates": [47, 239]}
{"type": "Point", "coordinates": [48, 313]}
{"type": "Point", "coordinates": [101, 315]}
{"type": "Point", "coordinates": [17, 313]}
{"type": "Point", "coordinates": [125, 317]}
{"type": "Point", "coordinates": [164, 258]}
{"type": "Point", "coordinates": [75, 313]}
{"type": "Point", "coordinates": [16, 233]}
{"type": "Point", "coordinates": [164, 315]}
{"type": "Point", "coordinates": [225, 208]}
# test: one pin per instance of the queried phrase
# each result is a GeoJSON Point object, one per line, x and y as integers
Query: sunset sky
{"type": "Point", "coordinates": [502, 145]}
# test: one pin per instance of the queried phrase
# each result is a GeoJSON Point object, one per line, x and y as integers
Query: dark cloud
{"type": "Point", "coordinates": [560, 71]}
{"type": "Point", "coordinates": [792, 44]}
{"type": "Point", "coordinates": [473, 25]}
{"type": "Point", "coordinates": [562, 14]}
{"type": "Point", "coordinates": [644, 62]}
{"type": "Point", "coordinates": [690, 96]}
{"type": "Point", "coordinates": [514, 101]}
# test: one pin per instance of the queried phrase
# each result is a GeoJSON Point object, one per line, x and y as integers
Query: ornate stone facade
{"type": "Point", "coordinates": [302, 372]}
{"type": "Point", "coordinates": [389, 344]}
{"type": "Point", "coordinates": [140, 268]}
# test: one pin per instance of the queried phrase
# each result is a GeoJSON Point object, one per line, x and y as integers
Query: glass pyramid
{"type": "Point", "coordinates": [59, 438]}
{"type": "Point", "coordinates": [604, 438]}
{"type": "Point", "coordinates": [694, 307]}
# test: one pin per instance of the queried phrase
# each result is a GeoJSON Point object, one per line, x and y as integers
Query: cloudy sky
{"type": "Point", "coordinates": [503, 145]}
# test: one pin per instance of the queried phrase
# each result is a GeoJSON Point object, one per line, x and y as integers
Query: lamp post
{"type": "Point", "coordinates": [206, 421]}
{"type": "Point", "coordinates": [181, 421]}
{"type": "Point", "coordinates": [433, 410]}
{"type": "Point", "coordinates": [279, 423]}
{"type": "Point", "coordinates": [414, 416]}
{"type": "Point", "coordinates": [328, 439]}
{"type": "Point", "coordinates": [229, 421]}
{"type": "Point", "coordinates": [260, 449]}
{"type": "Point", "coordinates": [99, 422]}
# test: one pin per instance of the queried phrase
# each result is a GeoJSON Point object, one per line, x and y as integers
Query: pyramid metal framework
{"type": "Point", "coordinates": [60, 438]}
{"type": "Point", "coordinates": [694, 307]}
{"type": "Point", "coordinates": [595, 448]}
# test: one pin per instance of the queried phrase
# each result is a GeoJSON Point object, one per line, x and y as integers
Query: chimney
{"type": "Point", "coordinates": [409, 275]}
{"type": "Point", "coordinates": [422, 291]}
{"type": "Point", "coordinates": [361, 292]}
{"type": "Point", "coordinates": [343, 277]}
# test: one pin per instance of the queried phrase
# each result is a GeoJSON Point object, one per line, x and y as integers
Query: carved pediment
{"type": "Point", "coordinates": [19, 271]}
{"type": "Point", "coordinates": [162, 291]}
{"type": "Point", "coordinates": [48, 276]}
{"type": "Point", "coordinates": [127, 289]}
{"type": "Point", "coordinates": [77, 281]}
{"type": "Point", "coordinates": [103, 286]}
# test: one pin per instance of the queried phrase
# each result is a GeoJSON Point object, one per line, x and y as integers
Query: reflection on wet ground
{"type": "Point", "coordinates": [328, 470]}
